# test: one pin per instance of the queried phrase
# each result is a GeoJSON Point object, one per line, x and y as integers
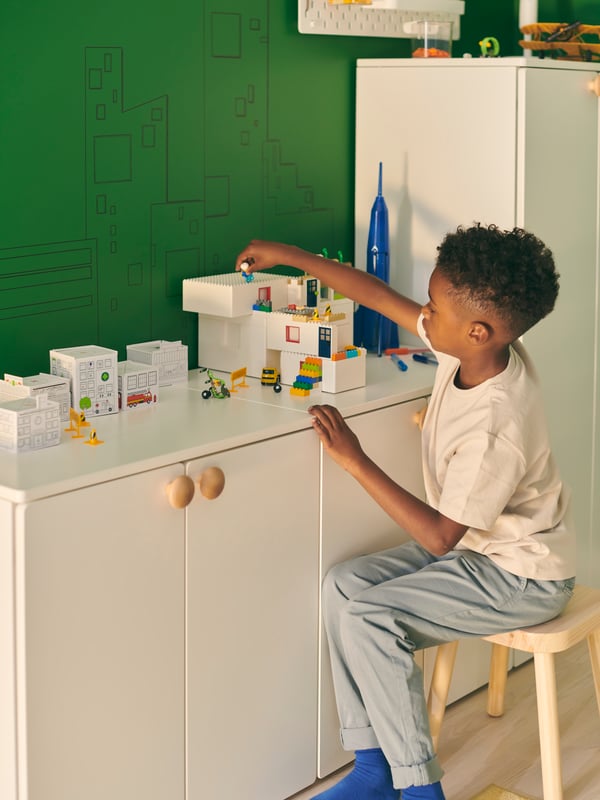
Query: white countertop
{"type": "Point", "coordinates": [531, 62]}
{"type": "Point", "coordinates": [184, 426]}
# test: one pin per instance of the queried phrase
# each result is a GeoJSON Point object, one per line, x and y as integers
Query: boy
{"type": "Point", "coordinates": [491, 549]}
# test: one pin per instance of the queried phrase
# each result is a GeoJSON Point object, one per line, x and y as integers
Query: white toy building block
{"type": "Point", "coordinates": [339, 374]}
{"type": "Point", "coordinates": [57, 389]}
{"type": "Point", "coordinates": [29, 423]}
{"type": "Point", "coordinates": [274, 320]}
{"type": "Point", "coordinates": [138, 385]}
{"type": "Point", "coordinates": [171, 359]}
{"type": "Point", "coordinates": [230, 295]}
{"type": "Point", "coordinates": [231, 334]}
{"type": "Point", "coordinates": [230, 344]}
{"type": "Point", "coordinates": [92, 371]}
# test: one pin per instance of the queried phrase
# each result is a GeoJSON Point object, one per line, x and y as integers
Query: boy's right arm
{"type": "Point", "coordinates": [355, 284]}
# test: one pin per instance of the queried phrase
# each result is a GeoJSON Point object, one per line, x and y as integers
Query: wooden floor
{"type": "Point", "coordinates": [476, 750]}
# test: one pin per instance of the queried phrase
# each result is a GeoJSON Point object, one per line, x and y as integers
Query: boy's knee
{"type": "Point", "coordinates": [332, 596]}
{"type": "Point", "coordinates": [365, 622]}
{"type": "Point", "coordinates": [335, 582]}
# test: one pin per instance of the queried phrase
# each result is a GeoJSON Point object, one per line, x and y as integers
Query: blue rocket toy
{"type": "Point", "coordinates": [377, 332]}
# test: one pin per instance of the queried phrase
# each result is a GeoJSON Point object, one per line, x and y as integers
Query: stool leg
{"type": "Point", "coordinates": [545, 680]}
{"type": "Point", "coordinates": [594, 648]}
{"type": "Point", "coordinates": [497, 683]}
{"type": "Point", "coordinates": [440, 686]}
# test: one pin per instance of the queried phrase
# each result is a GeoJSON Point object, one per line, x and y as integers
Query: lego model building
{"type": "Point", "coordinates": [171, 359]}
{"type": "Point", "coordinates": [92, 371]}
{"type": "Point", "coordinates": [279, 322]}
{"type": "Point", "coordinates": [138, 385]}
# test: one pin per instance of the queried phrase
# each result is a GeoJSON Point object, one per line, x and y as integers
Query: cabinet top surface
{"type": "Point", "coordinates": [511, 62]}
{"type": "Point", "coordinates": [184, 426]}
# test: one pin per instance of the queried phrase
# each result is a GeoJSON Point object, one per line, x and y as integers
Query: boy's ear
{"type": "Point", "coordinates": [479, 333]}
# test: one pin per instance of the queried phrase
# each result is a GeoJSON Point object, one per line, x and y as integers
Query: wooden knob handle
{"type": "Point", "coordinates": [419, 417]}
{"type": "Point", "coordinates": [595, 85]}
{"type": "Point", "coordinates": [180, 491]}
{"type": "Point", "coordinates": [211, 482]}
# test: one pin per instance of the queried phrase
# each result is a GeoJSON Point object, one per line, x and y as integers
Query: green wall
{"type": "Point", "coordinates": [146, 142]}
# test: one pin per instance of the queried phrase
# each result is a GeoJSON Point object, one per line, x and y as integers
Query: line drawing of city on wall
{"type": "Point", "coordinates": [119, 280]}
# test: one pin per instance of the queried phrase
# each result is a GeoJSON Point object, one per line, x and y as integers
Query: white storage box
{"type": "Point", "coordinates": [92, 371]}
{"type": "Point", "coordinates": [29, 423]}
{"type": "Point", "coordinates": [138, 385]}
{"type": "Point", "coordinates": [170, 358]}
{"type": "Point", "coordinates": [57, 389]}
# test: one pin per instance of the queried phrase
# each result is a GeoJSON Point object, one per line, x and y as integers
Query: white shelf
{"type": "Point", "coordinates": [385, 18]}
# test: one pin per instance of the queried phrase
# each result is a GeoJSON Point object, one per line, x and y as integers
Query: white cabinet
{"type": "Point", "coordinates": [170, 653]}
{"type": "Point", "coordinates": [100, 642]}
{"type": "Point", "coordinates": [8, 718]}
{"type": "Point", "coordinates": [352, 524]}
{"type": "Point", "coordinates": [106, 617]}
{"type": "Point", "coordinates": [251, 621]}
{"type": "Point", "coordinates": [512, 142]}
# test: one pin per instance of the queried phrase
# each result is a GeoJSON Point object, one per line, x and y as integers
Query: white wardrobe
{"type": "Point", "coordinates": [509, 141]}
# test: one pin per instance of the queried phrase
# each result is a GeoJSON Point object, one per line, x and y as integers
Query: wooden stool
{"type": "Point", "coordinates": [580, 620]}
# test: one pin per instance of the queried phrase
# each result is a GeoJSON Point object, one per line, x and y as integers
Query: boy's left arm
{"type": "Point", "coordinates": [435, 532]}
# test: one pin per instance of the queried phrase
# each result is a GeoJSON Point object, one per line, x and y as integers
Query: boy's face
{"type": "Point", "coordinates": [445, 320]}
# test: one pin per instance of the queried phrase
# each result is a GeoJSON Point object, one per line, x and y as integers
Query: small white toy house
{"type": "Point", "coordinates": [138, 385]}
{"type": "Point", "coordinates": [92, 371]}
{"type": "Point", "coordinates": [57, 389]}
{"type": "Point", "coordinates": [170, 358]}
{"type": "Point", "coordinates": [29, 423]}
{"type": "Point", "coordinates": [275, 321]}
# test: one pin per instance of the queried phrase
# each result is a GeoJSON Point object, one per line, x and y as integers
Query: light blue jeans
{"type": "Point", "coordinates": [378, 609]}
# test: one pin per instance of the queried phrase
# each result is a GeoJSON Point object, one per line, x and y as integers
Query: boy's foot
{"type": "Point", "coordinates": [370, 779]}
{"type": "Point", "coordinates": [433, 791]}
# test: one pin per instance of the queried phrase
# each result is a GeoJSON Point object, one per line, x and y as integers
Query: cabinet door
{"type": "Point", "coordinates": [8, 726]}
{"type": "Point", "coordinates": [252, 593]}
{"type": "Point", "coordinates": [352, 523]}
{"type": "Point", "coordinates": [558, 196]}
{"type": "Point", "coordinates": [100, 642]}
{"type": "Point", "coordinates": [446, 137]}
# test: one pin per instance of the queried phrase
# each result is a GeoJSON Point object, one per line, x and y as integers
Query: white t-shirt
{"type": "Point", "coordinates": [487, 464]}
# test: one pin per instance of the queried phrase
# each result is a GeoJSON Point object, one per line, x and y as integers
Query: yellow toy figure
{"type": "Point", "coordinates": [93, 440]}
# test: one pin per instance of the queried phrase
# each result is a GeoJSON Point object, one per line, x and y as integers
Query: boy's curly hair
{"type": "Point", "coordinates": [509, 274]}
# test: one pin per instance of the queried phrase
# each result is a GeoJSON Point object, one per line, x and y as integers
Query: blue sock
{"type": "Point", "coordinates": [432, 791]}
{"type": "Point", "coordinates": [371, 779]}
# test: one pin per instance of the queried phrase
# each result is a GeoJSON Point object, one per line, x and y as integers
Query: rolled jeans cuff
{"type": "Point", "coordinates": [417, 775]}
{"type": "Point", "coordinates": [358, 738]}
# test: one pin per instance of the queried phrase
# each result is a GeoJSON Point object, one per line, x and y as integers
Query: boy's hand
{"type": "Point", "coordinates": [262, 255]}
{"type": "Point", "coordinates": [339, 441]}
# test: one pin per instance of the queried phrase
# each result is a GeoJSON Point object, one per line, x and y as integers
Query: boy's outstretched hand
{"type": "Point", "coordinates": [339, 441]}
{"type": "Point", "coordinates": [262, 255]}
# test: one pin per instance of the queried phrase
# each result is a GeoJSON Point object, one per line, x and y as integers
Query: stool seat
{"type": "Point", "coordinates": [579, 620]}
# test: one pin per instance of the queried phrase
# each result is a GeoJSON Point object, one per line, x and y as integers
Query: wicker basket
{"type": "Point", "coordinates": [576, 42]}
